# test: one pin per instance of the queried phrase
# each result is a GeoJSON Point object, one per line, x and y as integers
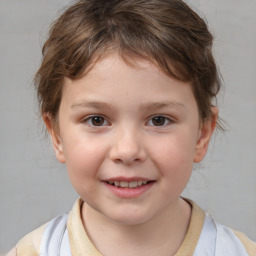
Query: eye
{"type": "Point", "coordinates": [97, 121]}
{"type": "Point", "coordinates": [159, 121]}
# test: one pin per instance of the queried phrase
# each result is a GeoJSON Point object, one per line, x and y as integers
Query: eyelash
{"type": "Point", "coordinates": [90, 119]}
{"type": "Point", "coordinates": [166, 120]}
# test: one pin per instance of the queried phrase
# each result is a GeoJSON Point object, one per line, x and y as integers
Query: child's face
{"type": "Point", "coordinates": [126, 125]}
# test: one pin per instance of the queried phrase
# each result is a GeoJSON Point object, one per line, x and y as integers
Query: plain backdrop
{"type": "Point", "coordinates": [34, 187]}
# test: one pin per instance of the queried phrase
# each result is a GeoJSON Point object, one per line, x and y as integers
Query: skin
{"type": "Point", "coordinates": [128, 143]}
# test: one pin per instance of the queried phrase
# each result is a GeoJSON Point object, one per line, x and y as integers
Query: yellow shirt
{"type": "Point", "coordinates": [81, 245]}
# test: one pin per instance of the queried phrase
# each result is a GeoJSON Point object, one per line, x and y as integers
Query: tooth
{"type": "Point", "coordinates": [124, 184]}
{"type": "Point", "coordinates": [111, 182]}
{"type": "Point", "coordinates": [117, 183]}
{"type": "Point", "coordinates": [144, 182]}
{"type": "Point", "coordinates": [133, 184]}
{"type": "Point", "coordinates": [139, 182]}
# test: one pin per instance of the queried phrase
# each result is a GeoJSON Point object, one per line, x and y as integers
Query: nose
{"type": "Point", "coordinates": [128, 147]}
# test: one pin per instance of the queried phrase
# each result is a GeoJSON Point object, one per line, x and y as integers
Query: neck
{"type": "Point", "coordinates": [162, 235]}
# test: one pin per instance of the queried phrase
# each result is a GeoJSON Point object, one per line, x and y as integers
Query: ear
{"type": "Point", "coordinates": [205, 133]}
{"type": "Point", "coordinates": [56, 140]}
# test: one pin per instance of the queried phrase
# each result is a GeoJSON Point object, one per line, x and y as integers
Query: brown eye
{"type": "Point", "coordinates": [158, 120]}
{"type": "Point", "coordinates": [97, 121]}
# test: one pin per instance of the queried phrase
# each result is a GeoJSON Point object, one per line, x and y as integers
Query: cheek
{"type": "Point", "coordinates": [174, 157]}
{"type": "Point", "coordinates": [83, 160]}
{"type": "Point", "coordinates": [176, 168]}
{"type": "Point", "coordinates": [175, 149]}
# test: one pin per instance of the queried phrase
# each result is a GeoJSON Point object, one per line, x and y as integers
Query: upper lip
{"type": "Point", "coordinates": [128, 179]}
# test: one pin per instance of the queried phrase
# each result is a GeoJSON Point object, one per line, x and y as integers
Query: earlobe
{"type": "Point", "coordinates": [204, 135]}
{"type": "Point", "coordinates": [56, 140]}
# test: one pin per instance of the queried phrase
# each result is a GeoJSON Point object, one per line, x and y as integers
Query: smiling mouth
{"type": "Point", "coordinates": [128, 184]}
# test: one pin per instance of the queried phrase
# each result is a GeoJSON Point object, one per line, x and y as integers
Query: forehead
{"type": "Point", "coordinates": [113, 81]}
{"type": "Point", "coordinates": [113, 66]}
{"type": "Point", "coordinates": [115, 69]}
{"type": "Point", "coordinates": [126, 63]}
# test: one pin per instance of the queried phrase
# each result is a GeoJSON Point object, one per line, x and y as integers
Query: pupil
{"type": "Point", "coordinates": [158, 120]}
{"type": "Point", "coordinates": [97, 120]}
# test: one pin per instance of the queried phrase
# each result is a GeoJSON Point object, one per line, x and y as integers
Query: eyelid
{"type": "Point", "coordinates": [89, 117]}
{"type": "Point", "coordinates": [169, 119]}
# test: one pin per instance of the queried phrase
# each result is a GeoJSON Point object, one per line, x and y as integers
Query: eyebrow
{"type": "Point", "coordinates": [159, 105]}
{"type": "Point", "coordinates": [146, 106]}
{"type": "Point", "coordinates": [91, 104]}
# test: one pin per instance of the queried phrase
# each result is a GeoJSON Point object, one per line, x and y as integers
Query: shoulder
{"type": "Point", "coordinates": [230, 242]}
{"type": "Point", "coordinates": [221, 239]}
{"type": "Point", "coordinates": [29, 245]}
{"type": "Point", "coordinates": [12, 252]}
{"type": "Point", "coordinates": [249, 245]}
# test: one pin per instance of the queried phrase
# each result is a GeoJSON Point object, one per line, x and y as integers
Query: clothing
{"type": "Point", "coordinates": [199, 240]}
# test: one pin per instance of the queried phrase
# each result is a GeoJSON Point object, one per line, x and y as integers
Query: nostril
{"type": "Point", "coordinates": [127, 150]}
{"type": "Point", "coordinates": [127, 161]}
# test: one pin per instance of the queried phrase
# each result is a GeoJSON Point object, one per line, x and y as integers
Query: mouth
{"type": "Point", "coordinates": [128, 188]}
{"type": "Point", "coordinates": [128, 184]}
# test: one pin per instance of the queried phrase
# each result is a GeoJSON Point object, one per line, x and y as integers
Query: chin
{"type": "Point", "coordinates": [128, 218]}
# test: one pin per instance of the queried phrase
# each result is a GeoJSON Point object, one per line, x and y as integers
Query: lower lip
{"type": "Point", "coordinates": [129, 192]}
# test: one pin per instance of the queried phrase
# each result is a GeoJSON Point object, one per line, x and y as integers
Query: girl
{"type": "Point", "coordinates": [126, 90]}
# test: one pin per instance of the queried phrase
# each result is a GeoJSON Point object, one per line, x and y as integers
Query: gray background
{"type": "Point", "coordinates": [34, 187]}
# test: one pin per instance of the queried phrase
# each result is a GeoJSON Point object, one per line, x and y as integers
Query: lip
{"type": "Point", "coordinates": [127, 179]}
{"type": "Point", "coordinates": [129, 192]}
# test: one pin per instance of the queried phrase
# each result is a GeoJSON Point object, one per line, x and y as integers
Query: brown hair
{"type": "Point", "coordinates": [166, 32]}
